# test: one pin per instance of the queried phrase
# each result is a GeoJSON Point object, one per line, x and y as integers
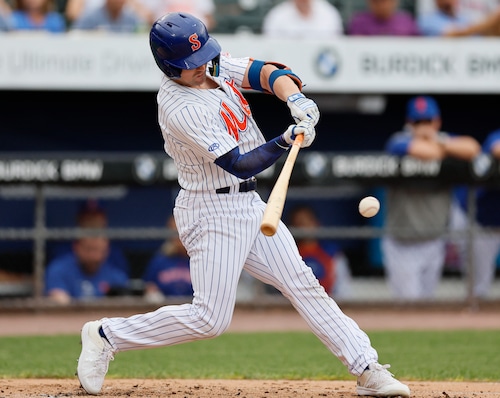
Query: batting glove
{"type": "Point", "coordinates": [306, 127]}
{"type": "Point", "coordinates": [303, 108]}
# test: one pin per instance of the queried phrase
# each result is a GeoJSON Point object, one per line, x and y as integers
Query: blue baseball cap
{"type": "Point", "coordinates": [90, 205]}
{"type": "Point", "coordinates": [422, 108]}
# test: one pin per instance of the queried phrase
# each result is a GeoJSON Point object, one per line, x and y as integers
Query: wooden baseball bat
{"type": "Point", "coordinates": [276, 201]}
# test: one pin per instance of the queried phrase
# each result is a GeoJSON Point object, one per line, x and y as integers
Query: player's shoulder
{"type": "Point", "coordinates": [398, 142]}
{"type": "Point", "coordinates": [404, 134]}
{"type": "Point", "coordinates": [495, 135]}
{"type": "Point", "coordinates": [64, 263]}
{"type": "Point", "coordinates": [65, 258]}
{"type": "Point", "coordinates": [176, 97]}
{"type": "Point", "coordinates": [492, 139]}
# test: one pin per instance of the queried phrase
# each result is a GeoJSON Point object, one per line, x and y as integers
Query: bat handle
{"type": "Point", "coordinates": [298, 140]}
{"type": "Point", "coordinates": [276, 201]}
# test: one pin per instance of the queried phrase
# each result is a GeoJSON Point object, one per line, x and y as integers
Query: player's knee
{"type": "Point", "coordinates": [210, 333]}
{"type": "Point", "coordinates": [212, 326]}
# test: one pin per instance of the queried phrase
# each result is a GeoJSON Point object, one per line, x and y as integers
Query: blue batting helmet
{"type": "Point", "coordinates": [180, 41]}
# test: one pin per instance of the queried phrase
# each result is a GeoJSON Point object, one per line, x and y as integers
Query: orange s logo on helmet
{"type": "Point", "coordinates": [193, 39]}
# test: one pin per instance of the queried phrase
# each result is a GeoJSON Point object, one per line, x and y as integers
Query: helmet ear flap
{"type": "Point", "coordinates": [171, 71]}
{"type": "Point", "coordinates": [159, 55]}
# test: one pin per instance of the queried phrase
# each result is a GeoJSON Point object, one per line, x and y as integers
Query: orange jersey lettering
{"type": "Point", "coordinates": [233, 124]}
{"type": "Point", "coordinates": [243, 102]}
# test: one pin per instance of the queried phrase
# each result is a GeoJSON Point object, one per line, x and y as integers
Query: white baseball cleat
{"type": "Point", "coordinates": [94, 358]}
{"type": "Point", "coordinates": [377, 381]}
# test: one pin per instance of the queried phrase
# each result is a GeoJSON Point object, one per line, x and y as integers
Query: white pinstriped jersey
{"type": "Point", "coordinates": [199, 125]}
{"type": "Point", "coordinates": [221, 233]}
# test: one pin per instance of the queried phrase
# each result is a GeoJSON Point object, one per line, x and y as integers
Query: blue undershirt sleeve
{"type": "Point", "coordinates": [398, 145]}
{"type": "Point", "coordinates": [248, 164]}
{"type": "Point", "coordinates": [490, 141]}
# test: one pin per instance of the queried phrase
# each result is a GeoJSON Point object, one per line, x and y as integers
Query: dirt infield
{"type": "Point", "coordinates": [250, 320]}
{"type": "Point", "coordinates": [260, 319]}
{"type": "Point", "coordinates": [233, 388]}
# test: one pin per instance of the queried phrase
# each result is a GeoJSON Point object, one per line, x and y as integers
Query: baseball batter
{"type": "Point", "coordinates": [210, 133]}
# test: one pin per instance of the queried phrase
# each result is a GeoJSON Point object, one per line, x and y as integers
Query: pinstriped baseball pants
{"type": "Point", "coordinates": [222, 236]}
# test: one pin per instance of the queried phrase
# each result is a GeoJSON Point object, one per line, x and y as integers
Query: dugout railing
{"type": "Point", "coordinates": [313, 173]}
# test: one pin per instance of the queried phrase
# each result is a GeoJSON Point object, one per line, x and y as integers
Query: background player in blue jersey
{"type": "Point", "coordinates": [167, 273]}
{"type": "Point", "coordinates": [418, 214]}
{"type": "Point", "coordinates": [84, 273]}
{"type": "Point", "coordinates": [486, 243]}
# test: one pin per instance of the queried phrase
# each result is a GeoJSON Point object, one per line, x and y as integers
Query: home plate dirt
{"type": "Point", "coordinates": [233, 388]}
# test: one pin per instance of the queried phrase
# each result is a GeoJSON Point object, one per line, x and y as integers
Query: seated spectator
{"type": "Point", "coordinates": [202, 9]}
{"type": "Point", "coordinates": [489, 26]}
{"type": "Point", "coordinates": [167, 274]}
{"type": "Point", "coordinates": [5, 7]}
{"type": "Point", "coordinates": [4, 23]}
{"type": "Point", "coordinates": [5, 11]}
{"type": "Point", "coordinates": [92, 215]}
{"type": "Point", "coordinates": [36, 15]}
{"type": "Point", "coordinates": [446, 18]}
{"type": "Point", "coordinates": [74, 9]}
{"type": "Point", "coordinates": [476, 10]}
{"type": "Point", "coordinates": [111, 16]}
{"type": "Point", "coordinates": [303, 19]}
{"type": "Point", "coordinates": [382, 19]}
{"type": "Point", "coordinates": [323, 257]}
{"type": "Point", "coordinates": [84, 274]}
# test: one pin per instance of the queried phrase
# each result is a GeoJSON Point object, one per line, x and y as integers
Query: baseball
{"type": "Point", "coordinates": [369, 206]}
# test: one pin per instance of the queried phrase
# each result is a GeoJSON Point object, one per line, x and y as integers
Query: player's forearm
{"type": "Point", "coordinates": [484, 27]}
{"type": "Point", "coordinates": [271, 77]}
{"type": "Point", "coordinates": [426, 149]}
{"type": "Point", "coordinates": [283, 86]}
{"type": "Point", "coordinates": [251, 163]}
{"type": "Point", "coordinates": [465, 148]}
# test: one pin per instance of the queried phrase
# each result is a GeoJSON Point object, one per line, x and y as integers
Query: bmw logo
{"type": "Point", "coordinates": [315, 164]}
{"type": "Point", "coordinates": [482, 166]}
{"type": "Point", "coordinates": [328, 63]}
{"type": "Point", "coordinates": [145, 169]}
